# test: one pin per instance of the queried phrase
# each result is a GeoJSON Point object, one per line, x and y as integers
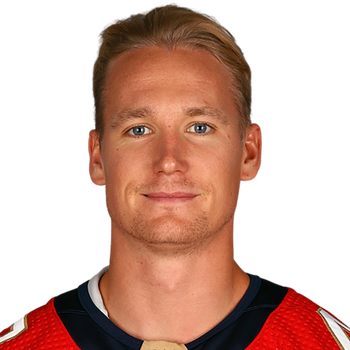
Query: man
{"type": "Point", "coordinates": [173, 140]}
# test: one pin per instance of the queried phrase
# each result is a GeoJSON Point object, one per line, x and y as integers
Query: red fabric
{"type": "Point", "coordinates": [45, 331]}
{"type": "Point", "coordinates": [295, 325]}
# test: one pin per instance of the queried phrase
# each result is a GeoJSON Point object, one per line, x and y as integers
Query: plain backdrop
{"type": "Point", "coordinates": [292, 222]}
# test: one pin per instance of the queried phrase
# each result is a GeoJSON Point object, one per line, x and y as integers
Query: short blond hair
{"type": "Point", "coordinates": [170, 27]}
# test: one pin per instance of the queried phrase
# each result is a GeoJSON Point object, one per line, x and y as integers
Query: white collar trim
{"type": "Point", "coordinates": [94, 291]}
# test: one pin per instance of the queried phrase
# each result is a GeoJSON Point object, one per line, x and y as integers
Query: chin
{"type": "Point", "coordinates": [168, 233]}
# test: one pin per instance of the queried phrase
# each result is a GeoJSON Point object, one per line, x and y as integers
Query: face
{"type": "Point", "coordinates": [171, 157]}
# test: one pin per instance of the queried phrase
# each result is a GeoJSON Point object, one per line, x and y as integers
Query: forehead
{"type": "Point", "coordinates": [153, 75]}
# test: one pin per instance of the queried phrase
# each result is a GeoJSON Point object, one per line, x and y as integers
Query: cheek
{"type": "Point", "coordinates": [116, 170]}
{"type": "Point", "coordinates": [226, 162]}
{"type": "Point", "coordinates": [226, 172]}
{"type": "Point", "coordinates": [118, 174]}
{"type": "Point", "coordinates": [124, 169]}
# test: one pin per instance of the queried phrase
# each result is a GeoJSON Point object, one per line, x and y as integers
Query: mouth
{"type": "Point", "coordinates": [173, 197]}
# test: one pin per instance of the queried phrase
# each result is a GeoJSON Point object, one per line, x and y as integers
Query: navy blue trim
{"type": "Point", "coordinates": [85, 332]}
{"type": "Point", "coordinates": [91, 329]}
{"type": "Point", "coordinates": [104, 322]}
{"type": "Point", "coordinates": [240, 308]}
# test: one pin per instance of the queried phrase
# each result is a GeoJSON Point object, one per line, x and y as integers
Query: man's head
{"type": "Point", "coordinates": [175, 147]}
{"type": "Point", "coordinates": [171, 27]}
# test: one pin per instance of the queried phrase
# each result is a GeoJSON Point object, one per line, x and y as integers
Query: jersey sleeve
{"type": "Point", "coordinates": [298, 323]}
{"type": "Point", "coordinates": [40, 329]}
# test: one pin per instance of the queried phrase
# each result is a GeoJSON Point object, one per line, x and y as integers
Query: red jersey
{"type": "Point", "coordinates": [268, 317]}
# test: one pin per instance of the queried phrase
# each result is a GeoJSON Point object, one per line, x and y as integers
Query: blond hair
{"type": "Point", "coordinates": [170, 27]}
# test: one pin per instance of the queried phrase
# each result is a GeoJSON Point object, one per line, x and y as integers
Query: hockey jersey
{"type": "Point", "coordinates": [268, 317]}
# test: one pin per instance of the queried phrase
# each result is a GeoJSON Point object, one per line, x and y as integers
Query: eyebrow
{"type": "Point", "coordinates": [128, 115]}
{"type": "Point", "coordinates": [207, 112]}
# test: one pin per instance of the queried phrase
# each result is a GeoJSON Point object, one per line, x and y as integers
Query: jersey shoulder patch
{"type": "Point", "coordinates": [40, 329]}
{"type": "Point", "coordinates": [339, 331]}
{"type": "Point", "coordinates": [299, 323]}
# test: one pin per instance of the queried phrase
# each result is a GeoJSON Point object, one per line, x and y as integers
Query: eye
{"type": "Point", "coordinates": [200, 128]}
{"type": "Point", "coordinates": [139, 130]}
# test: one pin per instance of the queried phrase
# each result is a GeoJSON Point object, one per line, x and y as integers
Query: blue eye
{"type": "Point", "coordinates": [199, 128]}
{"type": "Point", "coordinates": [139, 130]}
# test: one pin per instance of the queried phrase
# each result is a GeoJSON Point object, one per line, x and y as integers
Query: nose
{"type": "Point", "coordinates": [170, 155]}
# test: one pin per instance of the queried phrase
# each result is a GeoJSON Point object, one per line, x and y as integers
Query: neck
{"type": "Point", "coordinates": [171, 297]}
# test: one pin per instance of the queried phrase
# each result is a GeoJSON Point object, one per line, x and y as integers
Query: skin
{"type": "Point", "coordinates": [171, 192]}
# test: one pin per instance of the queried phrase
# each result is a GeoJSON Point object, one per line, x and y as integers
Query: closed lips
{"type": "Point", "coordinates": [170, 195]}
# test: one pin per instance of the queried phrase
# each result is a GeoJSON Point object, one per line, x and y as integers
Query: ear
{"type": "Point", "coordinates": [251, 157]}
{"type": "Point", "coordinates": [95, 165]}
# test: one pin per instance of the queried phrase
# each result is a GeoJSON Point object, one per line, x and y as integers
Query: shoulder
{"type": "Point", "coordinates": [40, 329]}
{"type": "Point", "coordinates": [299, 323]}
